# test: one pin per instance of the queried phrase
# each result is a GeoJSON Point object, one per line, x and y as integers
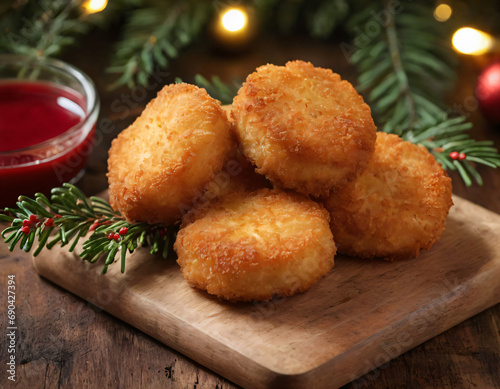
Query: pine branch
{"type": "Point", "coordinates": [406, 68]}
{"type": "Point", "coordinates": [69, 216]}
{"type": "Point", "coordinates": [44, 28]}
{"type": "Point", "coordinates": [154, 36]}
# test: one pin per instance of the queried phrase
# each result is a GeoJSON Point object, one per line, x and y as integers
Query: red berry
{"type": "Point", "coordinates": [454, 155]}
{"type": "Point", "coordinates": [123, 230]}
{"type": "Point", "coordinates": [462, 156]}
{"type": "Point", "coordinates": [26, 230]}
{"type": "Point", "coordinates": [110, 235]}
{"type": "Point", "coordinates": [57, 216]}
{"type": "Point", "coordinates": [27, 223]}
{"type": "Point", "coordinates": [49, 222]}
{"type": "Point", "coordinates": [116, 236]}
{"type": "Point", "coordinates": [34, 219]}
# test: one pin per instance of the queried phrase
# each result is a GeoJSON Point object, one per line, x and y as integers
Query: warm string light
{"type": "Point", "coordinates": [234, 20]}
{"type": "Point", "coordinates": [93, 6]}
{"type": "Point", "coordinates": [471, 41]}
{"type": "Point", "coordinates": [234, 28]}
{"type": "Point", "coordinates": [442, 12]}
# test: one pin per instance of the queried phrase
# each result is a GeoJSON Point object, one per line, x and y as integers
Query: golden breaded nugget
{"type": "Point", "coordinates": [161, 163]}
{"type": "Point", "coordinates": [252, 246]}
{"type": "Point", "coordinates": [303, 127]}
{"type": "Point", "coordinates": [397, 207]}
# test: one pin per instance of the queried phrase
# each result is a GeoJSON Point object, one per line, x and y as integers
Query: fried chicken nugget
{"type": "Point", "coordinates": [254, 245]}
{"type": "Point", "coordinates": [397, 207]}
{"type": "Point", "coordinates": [303, 127]}
{"type": "Point", "coordinates": [161, 163]}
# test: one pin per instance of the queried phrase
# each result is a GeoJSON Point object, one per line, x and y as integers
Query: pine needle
{"type": "Point", "coordinates": [74, 218]}
{"type": "Point", "coordinates": [405, 70]}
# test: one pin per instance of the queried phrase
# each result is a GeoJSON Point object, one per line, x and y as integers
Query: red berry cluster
{"type": "Point", "coordinates": [116, 236]}
{"type": "Point", "coordinates": [456, 155]}
{"type": "Point", "coordinates": [34, 222]}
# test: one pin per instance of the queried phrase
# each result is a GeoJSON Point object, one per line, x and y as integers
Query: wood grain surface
{"type": "Point", "coordinates": [63, 340]}
{"type": "Point", "coordinates": [364, 313]}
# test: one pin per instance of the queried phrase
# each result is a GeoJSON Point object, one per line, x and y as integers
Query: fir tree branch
{"type": "Point", "coordinates": [69, 216]}
{"type": "Point", "coordinates": [43, 28]}
{"type": "Point", "coordinates": [405, 72]}
{"type": "Point", "coordinates": [154, 36]}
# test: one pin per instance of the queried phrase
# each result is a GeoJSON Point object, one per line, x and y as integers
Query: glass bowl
{"type": "Point", "coordinates": [54, 160]}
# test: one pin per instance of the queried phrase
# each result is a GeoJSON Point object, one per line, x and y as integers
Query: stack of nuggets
{"type": "Point", "coordinates": [312, 136]}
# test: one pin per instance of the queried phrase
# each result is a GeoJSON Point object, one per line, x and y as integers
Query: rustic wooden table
{"type": "Point", "coordinates": [61, 337]}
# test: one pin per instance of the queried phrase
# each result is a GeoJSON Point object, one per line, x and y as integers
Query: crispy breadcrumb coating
{"type": "Point", "coordinates": [252, 246]}
{"type": "Point", "coordinates": [397, 207]}
{"type": "Point", "coordinates": [303, 127]}
{"type": "Point", "coordinates": [161, 164]}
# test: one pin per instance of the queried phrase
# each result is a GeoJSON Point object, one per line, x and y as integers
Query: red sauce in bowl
{"type": "Point", "coordinates": [40, 147]}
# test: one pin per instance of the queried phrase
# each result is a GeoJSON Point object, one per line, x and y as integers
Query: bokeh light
{"type": "Point", "coordinates": [442, 12]}
{"type": "Point", "coordinates": [93, 6]}
{"type": "Point", "coordinates": [471, 41]}
{"type": "Point", "coordinates": [234, 20]}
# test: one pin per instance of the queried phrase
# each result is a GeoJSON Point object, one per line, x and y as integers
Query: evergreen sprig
{"type": "Point", "coordinates": [154, 35]}
{"type": "Point", "coordinates": [405, 67]}
{"type": "Point", "coordinates": [446, 137]}
{"type": "Point", "coordinates": [43, 28]}
{"type": "Point", "coordinates": [69, 216]}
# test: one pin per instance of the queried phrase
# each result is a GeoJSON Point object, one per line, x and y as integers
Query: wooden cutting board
{"type": "Point", "coordinates": [361, 315]}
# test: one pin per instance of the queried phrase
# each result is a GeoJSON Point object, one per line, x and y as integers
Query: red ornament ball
{"type": "Point", "coordinates": [488, 92]}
